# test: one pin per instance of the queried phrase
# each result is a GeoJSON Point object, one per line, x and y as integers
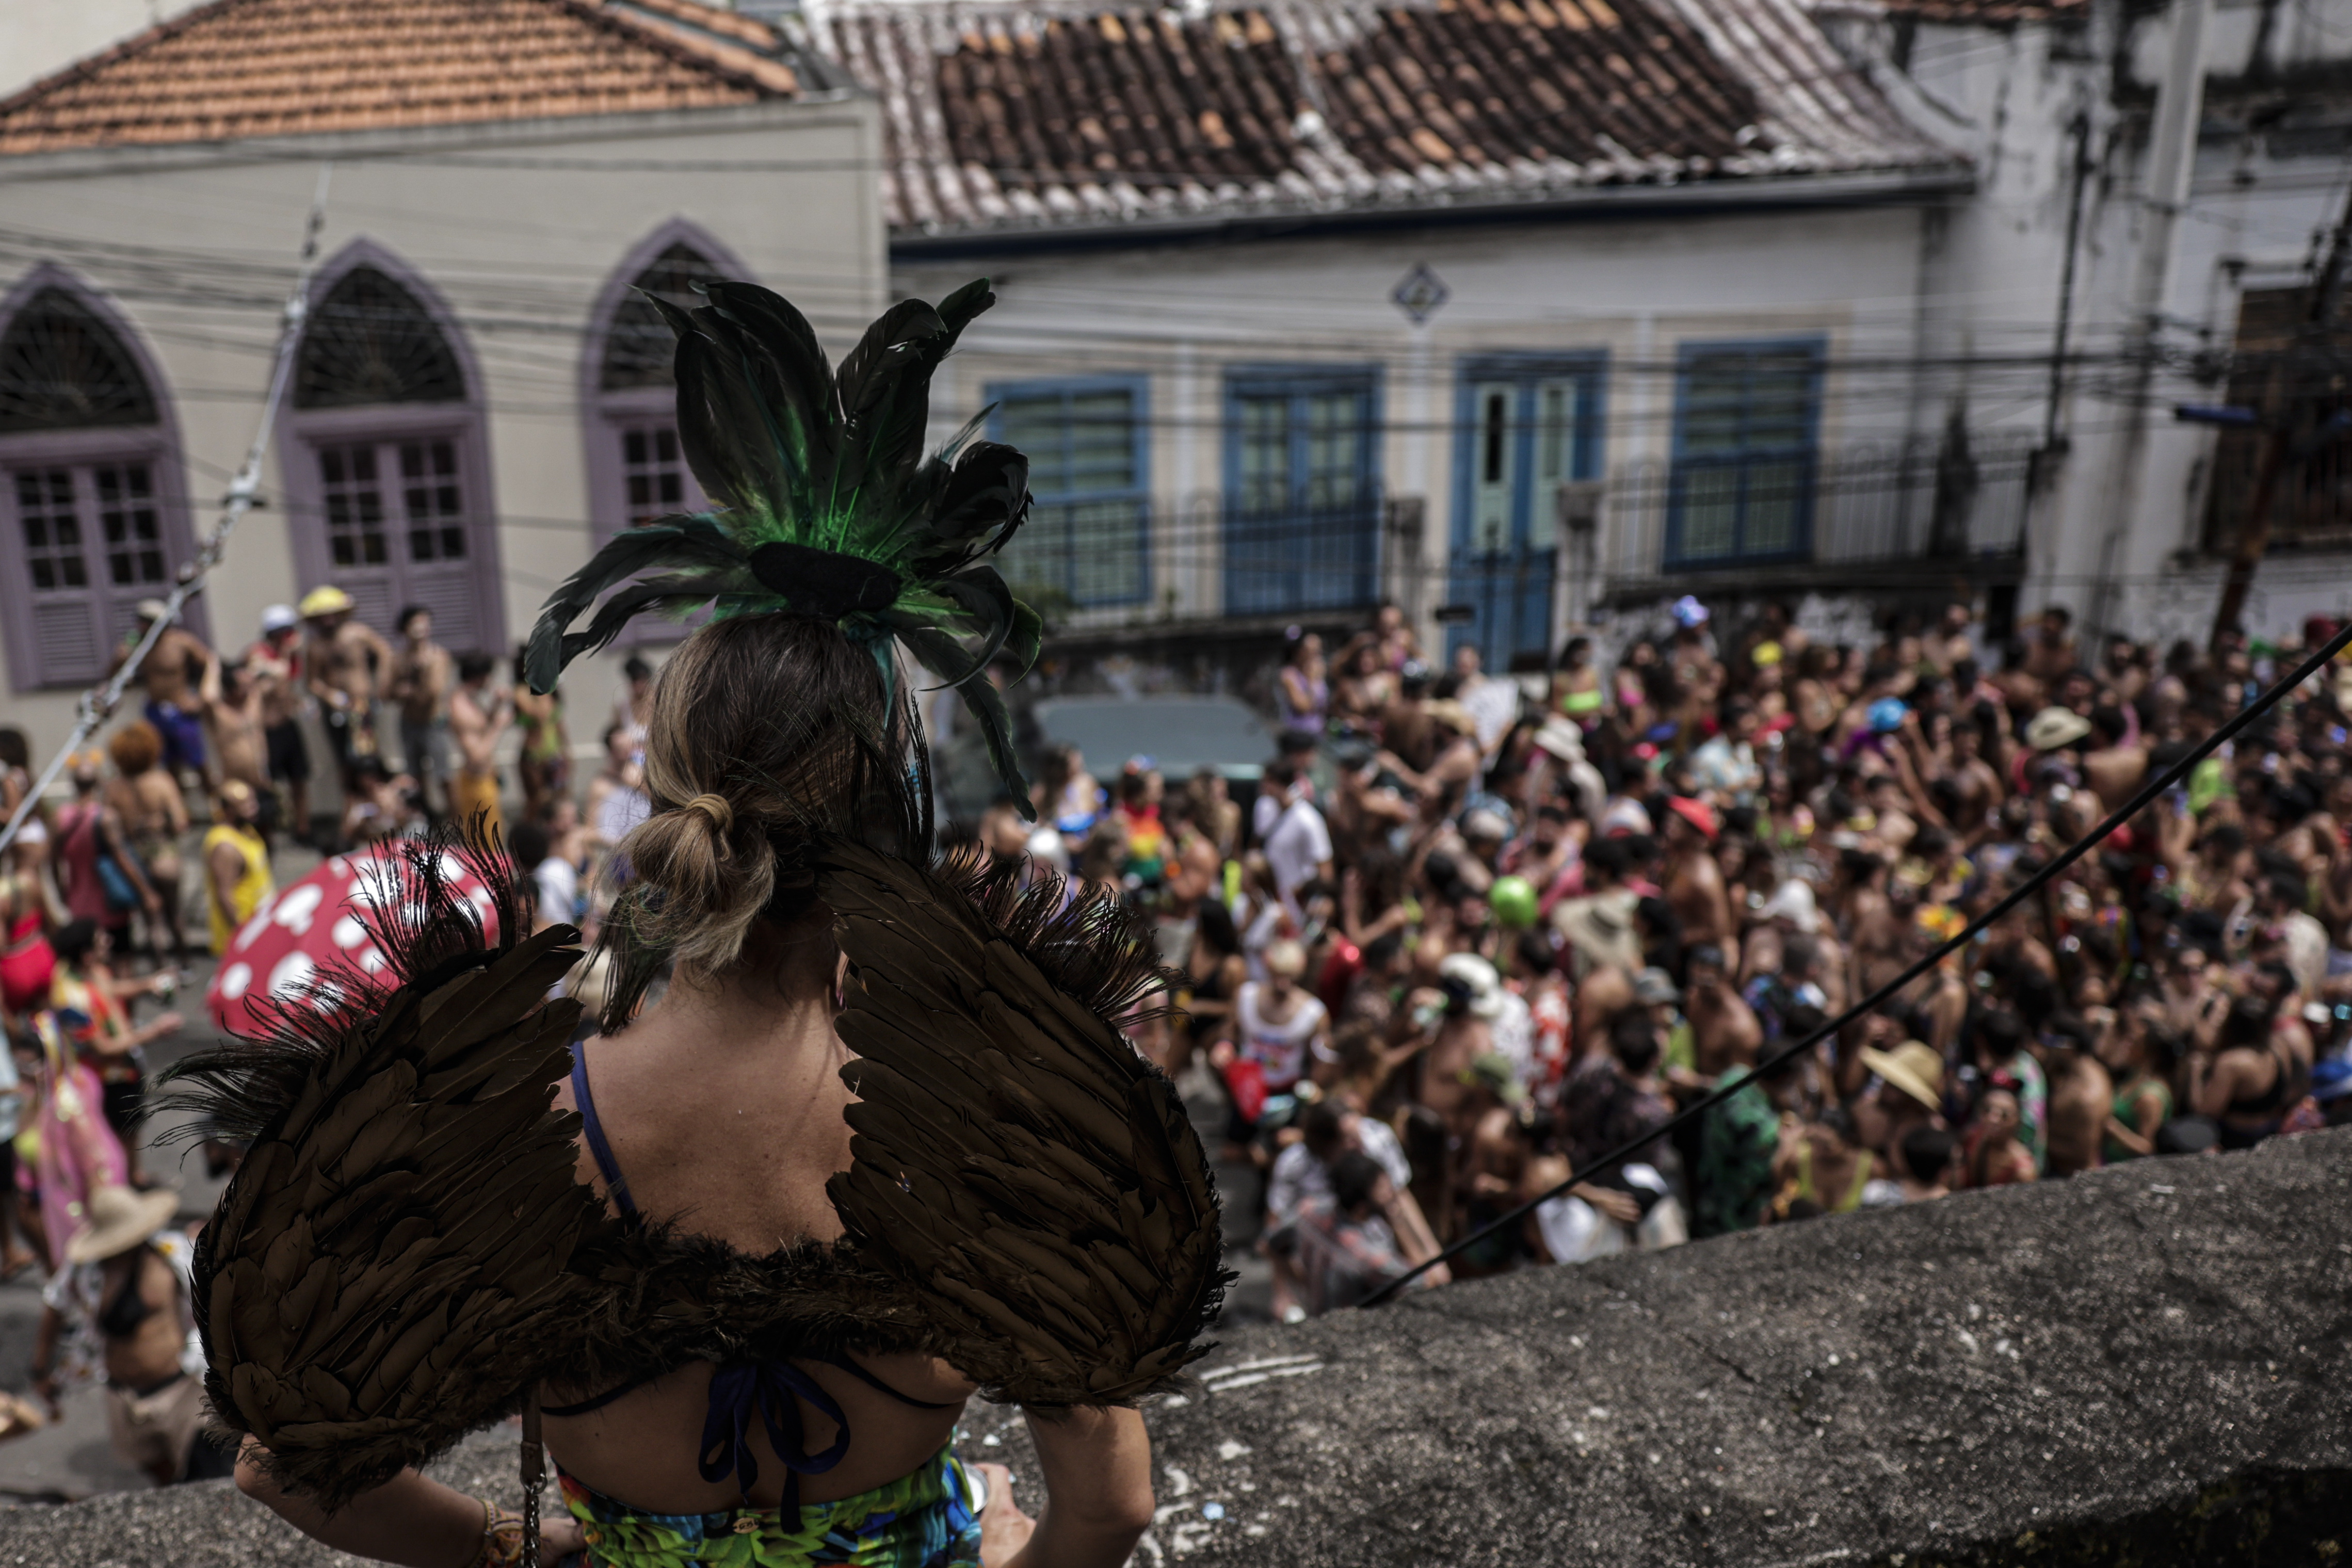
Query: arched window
{"type": "Point", "coordinates": [62, 369]}
{"type": "Point", "coordinates": [89, 486]}
{"type": "Point", "coordinates": [636, 471]}
{"type": "Point", "coordinates": [370, 341]}
{"type": "Point", "coordinates": [388, 475]}
{"type": "Point", "coordinates": [639, 345]}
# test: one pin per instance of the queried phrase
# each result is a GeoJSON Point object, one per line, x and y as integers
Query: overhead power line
{"type": "Point", "coordinates": [100, 702]}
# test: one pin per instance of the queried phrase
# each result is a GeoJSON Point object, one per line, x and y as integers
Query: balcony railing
{"type": "Point", "coordinates": [1866, 510]}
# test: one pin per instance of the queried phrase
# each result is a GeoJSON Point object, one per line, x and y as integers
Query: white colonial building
{"type": "Point", "coordinates": [479, 394]}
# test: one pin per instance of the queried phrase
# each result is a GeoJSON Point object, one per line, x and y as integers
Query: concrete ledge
{"type": "Point", "coordinates": [2142, 1367]}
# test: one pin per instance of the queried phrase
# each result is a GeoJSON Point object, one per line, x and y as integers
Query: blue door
{"type": "Point", "coordinates": [1302, 490]}
{"type": "Point", "coordinates": [1524, 426]}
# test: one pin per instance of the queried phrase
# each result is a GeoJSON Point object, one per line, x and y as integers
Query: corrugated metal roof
{"type": "Point", "coordinates": [241, 68]}
{"type": "Point", "coordinates": [1010, 115]}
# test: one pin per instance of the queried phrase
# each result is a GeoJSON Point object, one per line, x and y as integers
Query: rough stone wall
{"type": "Point", "coordinates": [2144, 1366]}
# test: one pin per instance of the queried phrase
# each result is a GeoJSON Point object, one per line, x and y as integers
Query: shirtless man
{"type": "Point", "coordinates": [1952, 640]}
{"type": "Point", "coordinates": [2050, 656]}
{"type": "Point", "coordinates": [1546, 851]}
{"type": "Point", "coordinates": [1976, 780]}
{"type": "Point", "coordinates": [170, 674]}
{"type": "Point", "coordinates": [1395, 639]}
{"type": "Point", "coordinates": [418, 683]}
{"type": "Point", "coordinates": [1493, 1166]}
{"type": "Point", "coordinates": [1725, 1032]}
{"type": "Point", "coordinates": [1868, 917]}
{"type": "Point", "coordinates": [343, 661]}
{"type": "Point", "coordinates": [1463, 1036]}
{"type": "Point", "coordinates": [478, 717]}
{"type": "Point", "coordinates": [1693, 881]}
{"type": "Point", "coordinates": [2114, 770]}
{"type": "Point", "coordinates": [2082, 1097]}
{"type": "Point", "coordinates": [237, 711]}
{"type": "Point", "coordinates": [273, 665]}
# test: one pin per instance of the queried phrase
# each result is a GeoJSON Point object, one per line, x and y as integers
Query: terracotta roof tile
{"type": "Point", "coordinates": [1044, 112]}
{"type": "Point", "coordinates": [241, 68]}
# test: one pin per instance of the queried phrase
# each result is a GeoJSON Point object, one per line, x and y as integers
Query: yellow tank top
{"type": "Point", "coordinates": [253, 884]}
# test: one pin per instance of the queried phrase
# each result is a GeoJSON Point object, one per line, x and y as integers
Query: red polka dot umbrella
{"type": "Point", "coordinates": [311, 931]}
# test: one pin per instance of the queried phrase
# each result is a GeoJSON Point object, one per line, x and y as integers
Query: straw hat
{"type": "Point", "coordinates": [326, 600]}
{"type": "Point", "coordinates": [1913, 1067]}
{"type": "Point", "coordinates": [2056, 726]}
{"type": "Point", "coordinates": [1601, 928]}
{"type": "Point", "coordinates": [1477, 978]}
{"type": "Point", "coordinates": [1792, 901]}
{"type": "Point", "coordinates": [117, 1219]}
{"type": "Point", "coordinates": [1561, 739]}
{"type": "Point", "coordinates": [1451, 713]}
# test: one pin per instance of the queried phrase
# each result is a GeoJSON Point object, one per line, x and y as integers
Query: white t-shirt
{"type": "Point", "coordinates": [619, 810]}
{"type": "Point", "coordinates": [558, 880]}
{"type": "Point", "coordinates": [1492, 705]}
{"type": "Point", "coordinates": [1299, 1175]}
{"type": "Point", "coordinates": [1264, 811]}
{"type": "Point", "coordinates": [1299, 843]}
{"type": "Point", "coordinates": [1514, 1033]}
{"type": "Point", "coordinates": [1279, 1048]}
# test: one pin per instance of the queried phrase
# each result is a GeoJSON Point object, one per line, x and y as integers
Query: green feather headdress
{"type": "Point", "coordinates": [825, 504]}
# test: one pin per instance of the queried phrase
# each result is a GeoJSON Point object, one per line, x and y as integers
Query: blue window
{"type": "Point", "coordinates": [1524, 425]}
{"type": "Point", "coordinates": [1085, 543]}
{"type": "Point", "coordinates": [1747, 437]}
{"type": "Point", "coordinates": [1302, 490]}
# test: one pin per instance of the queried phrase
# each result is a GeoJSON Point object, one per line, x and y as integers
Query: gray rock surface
{"type": "Point", "coordinates": [2142, 1366]}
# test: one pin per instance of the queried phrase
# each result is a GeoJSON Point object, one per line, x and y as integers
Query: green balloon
{"type": "Point", "coordinates": [1513, 900]}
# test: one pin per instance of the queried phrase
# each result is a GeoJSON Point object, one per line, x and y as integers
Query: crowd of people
{"type": "Point", "coordinates": [1461, 936]}
{"type": "Point", "coordinates": [1469, 932]}
{"type": "Point", "coordinates": [170, 841]}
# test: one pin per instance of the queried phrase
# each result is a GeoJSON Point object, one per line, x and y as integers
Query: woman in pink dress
{"type": "Point", "coordinates": [79, 1152]}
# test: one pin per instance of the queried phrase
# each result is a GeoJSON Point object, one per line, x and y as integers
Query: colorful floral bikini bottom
{"type": "Point", "coordinates": [928, 1518]}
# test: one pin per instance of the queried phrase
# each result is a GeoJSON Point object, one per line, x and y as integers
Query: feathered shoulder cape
{"type": "Point", "coordinates": [406, 1249]}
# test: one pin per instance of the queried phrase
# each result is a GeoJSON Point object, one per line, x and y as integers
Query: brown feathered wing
{"type": "Point", "coordinates": [388, 1268]}
{"type": "Point", "coordinates": [1014, 1158]}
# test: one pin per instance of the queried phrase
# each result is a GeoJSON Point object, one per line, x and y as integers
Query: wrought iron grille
{"type": "Point", "coordinates": [371, 341]}
{"type": "Point", "coordinates": [61, 368]}
{"type": "Point", "coordinates": [639, 347]}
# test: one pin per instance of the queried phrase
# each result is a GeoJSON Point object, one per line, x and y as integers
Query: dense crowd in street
{"type": "Point", "coordinates": [170, 841]}
{"type": "Point", "coordinates": [1470, 932]}
{"type": "Point", "coordinates": [1464, 935]}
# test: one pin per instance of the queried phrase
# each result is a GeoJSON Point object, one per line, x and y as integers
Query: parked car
{"type": "Point", "coordinates": [1181, 735]}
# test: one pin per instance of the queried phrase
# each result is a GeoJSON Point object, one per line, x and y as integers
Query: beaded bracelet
{"type": "Point", "coordinates": [502, 1538]}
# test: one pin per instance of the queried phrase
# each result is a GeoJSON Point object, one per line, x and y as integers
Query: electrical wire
{"type": "Point", "coordinates": [2121, 814]}
{"type": "Point", "coordinates": [100, 702]}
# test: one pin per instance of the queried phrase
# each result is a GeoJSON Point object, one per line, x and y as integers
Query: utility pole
{"type": "Point", "coordinates": [2293, 382]}
{"type": "Point", "coordinates": [2171, 159]}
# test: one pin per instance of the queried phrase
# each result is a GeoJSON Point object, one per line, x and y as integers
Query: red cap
{"type": "Point", "coordinates": [1698, 813]}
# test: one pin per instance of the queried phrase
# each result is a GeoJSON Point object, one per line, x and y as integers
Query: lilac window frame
{"type": "Point", "coordinates": [605, 415]}
{"type": "Point", "coordinates": [156, 444]}
{"type": "Point", "coordinates": [302, 431]}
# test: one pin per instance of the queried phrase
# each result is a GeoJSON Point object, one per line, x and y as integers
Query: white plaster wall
{"type": "Point", "coordinates": [519, 252]}
{"type": "Point", "coordinates": [2007, 96]}
{"type": "Point", "coordinates": [1634, 289]}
